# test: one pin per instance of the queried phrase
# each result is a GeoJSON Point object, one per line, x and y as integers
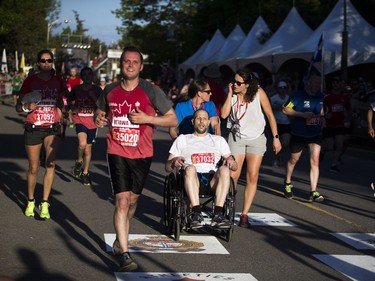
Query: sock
{"type": "Point", "coordinates": [218, 210]}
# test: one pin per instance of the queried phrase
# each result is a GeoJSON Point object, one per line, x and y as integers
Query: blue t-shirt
{"type": "Point", "coordinates": [185, 110]}
{"type": "Point", "coordinates": [303, 102]}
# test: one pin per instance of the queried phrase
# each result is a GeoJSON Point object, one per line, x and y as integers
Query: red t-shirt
{"type": "Point", "coordinates": [337, 105]}
{"type": "Point", "coordinates": [51, 94]}
{"type": "Point", "coordinates": [84, 101]}
{"type": "Point", "coordinates": [124, 138]}
{"type": "Point", "coordinates": [73, 81]}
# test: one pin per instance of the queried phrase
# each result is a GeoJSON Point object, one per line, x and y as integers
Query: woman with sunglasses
{"type": "Point", "coordinates": [41, 99]}
{"type": "Point", "coordinates": [246, 123]}
{"type": "Point", "coordinates": [199, 93]}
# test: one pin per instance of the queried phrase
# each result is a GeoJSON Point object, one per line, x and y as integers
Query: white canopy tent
{"type": "Point", "coordinates": [212, 47]}
{"type": "Point", "coordinates": [290, 33]}
{"type": "Point", "coordinates": [249, 45]}
{"type": "Point", "coordinates": [196, 54]}
{"type": "Point", "coordinates": [361, 40]}
{"type": "Point", "coordinates": [234, 39]}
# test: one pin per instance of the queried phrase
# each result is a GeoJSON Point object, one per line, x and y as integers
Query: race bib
{"type": "Point", "coordinates": [337, 108]}
{"type": "Point", "coordinates": [86, 111]}
{"type": "Point", "coordinates": [203, 158]}
{"type": "Point", "coordinates": [315, 120]}
{"type": "Point", "coordinates": [44, 115]}
{"type": "Point", "coordinates": [125, 136]}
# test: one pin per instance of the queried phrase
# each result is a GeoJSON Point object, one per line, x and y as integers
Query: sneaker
{"type": "Point", "coordinates": [116, 248]}
{"type": "Point", "coordinates": [316, 196]}
{"type": "Point", "coordinates": [127, 263]}
{"type": "Point", "coordinates": [77, 170]}
{"type": "Point", "coordinates": [86, 179]}
{"type": "Point", "coordinates": [288, 192]}
{"type": "Point", "coordinates": [196, 220]}
{"type": "Point", "coordinates": [29, 212]}
{"type": "Point", "coordinates": [71, 125]}
{"type": "Point", "coordinates": [220, 221]}
{"type": "Point", "coordinates": [44, 212]}
{"type": "Point", "coordinates": [244, 221]}
{"type": "Point", "coordinates": [334, 169]}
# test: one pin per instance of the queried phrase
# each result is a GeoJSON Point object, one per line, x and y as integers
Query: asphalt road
{"type": "Point", "coordinates": [71, 245]}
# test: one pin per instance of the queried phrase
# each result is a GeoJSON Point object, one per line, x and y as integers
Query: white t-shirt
{"type": "Point", "coordinates": [249, 116]}
{"type": "Point", "coordinates": [280, 116]}
{"type": "Point", "coordinates": [202, 152]}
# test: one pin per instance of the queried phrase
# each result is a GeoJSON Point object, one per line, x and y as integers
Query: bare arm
{"type": "Point", "coordinates": [166, 120]}
{"type": "Point", "coordinates": [225, 109]}
{"type": "Point", "coordinates": [370, 114]}
{"type": "Point", "coordinates": [215, 124]}
{"type": "Point", "coordinates": [174, 162]}
{"type": "Point", "coordinates": [173, 132]}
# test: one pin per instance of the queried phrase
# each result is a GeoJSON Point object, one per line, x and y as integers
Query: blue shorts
{"type": "Point", "coordinates": [128, 174]}
{"type": "Point", "coordinates": [91, 133]}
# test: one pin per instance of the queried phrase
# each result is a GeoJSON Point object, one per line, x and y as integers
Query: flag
{"type": "Point", "coordinates": [22, 63]}
{"type": "Point", "coordinates": [4, 65]}
{"type": "Point", "coordinates": [16, 61]}
{"type": "Point", "coordinates": [317, 57]}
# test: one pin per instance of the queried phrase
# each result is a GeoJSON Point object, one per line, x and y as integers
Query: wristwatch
{"type": "Point", "coordinates": [276, 136]}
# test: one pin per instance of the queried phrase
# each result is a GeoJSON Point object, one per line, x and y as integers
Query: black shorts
{"type": "Point", "coordinates": [204, 184]}
{"type": "Point", "coordinates": [329, 132]}
{"type": "Point", "coordinates": [36, 135]}
{"type": "Point", "coordinates": [128, 174]}
{"type": "Point", "coordinates": [91, 133]}
{"type": "Point", "coordinates": [297, 143]}
{"type": "Point", "coordinates": [283, 129]}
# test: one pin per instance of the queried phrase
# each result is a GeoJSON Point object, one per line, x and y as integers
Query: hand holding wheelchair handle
{"type": "Point", "coordinates": [178, 162]}
{"type": "Point", "coordinates": [230, 161]}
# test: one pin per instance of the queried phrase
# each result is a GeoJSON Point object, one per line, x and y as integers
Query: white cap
{"type": "Point", "coordinates": [282, 84]}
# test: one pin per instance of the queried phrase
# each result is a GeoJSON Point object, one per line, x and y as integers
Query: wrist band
{"type": "Point", "coordinates": [25, 110]}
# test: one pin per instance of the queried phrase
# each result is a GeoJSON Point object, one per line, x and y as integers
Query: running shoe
{"type": "Point", "coordinates": [116, 248]}
{"type": "Point", "coordinates": [288, 192]}
{"type": "Point", "coordinates": [29, 212]}
{"type": "Point", "coordinates": [334, 169]}
{"type": "Point", "coordinates": [244, 221]}
{"type": "Point", "coordinates": [44, 212]}
{"type": "Point", "coordinates": [220, 221]}
{"type": "Point", "coordinates": [71, 125]}
{"type": "Point", "coordinates": [196, 220]}
{"type": "Point", "coordinates": [127, 263]}
{"type": "Point", "coordinates": [316, 196]}
{"type": "Point", "coordinates": [77, 169]}
{"type": "Point", "coordinates": [86, 180]}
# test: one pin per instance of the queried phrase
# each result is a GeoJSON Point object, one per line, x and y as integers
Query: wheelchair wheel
{"type": "Point", "coordinates": [230, 209]}
{"type": "Point", "coordinates": [169, 183]}
{"type": "Point", "coordinates": [177, 227]}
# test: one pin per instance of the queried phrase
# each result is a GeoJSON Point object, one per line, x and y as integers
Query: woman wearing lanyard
{"type": "Point", "coordinates": [243, 107]}
{"type": "Point", "coordinates": [199, 93]}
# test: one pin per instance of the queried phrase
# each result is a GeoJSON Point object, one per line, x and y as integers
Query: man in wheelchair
{"type": "Point", "coordinates": [199, 154]}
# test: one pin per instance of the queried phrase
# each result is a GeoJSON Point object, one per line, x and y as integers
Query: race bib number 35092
{"type": "Point", "coordinates": [125, 137]}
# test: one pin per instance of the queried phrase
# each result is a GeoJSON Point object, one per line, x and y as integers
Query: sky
{"type": "Point", "coordinates": [97, 17]}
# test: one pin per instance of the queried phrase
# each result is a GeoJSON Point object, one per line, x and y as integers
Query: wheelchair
{"type": "Point", "coordinates": [177, 212]}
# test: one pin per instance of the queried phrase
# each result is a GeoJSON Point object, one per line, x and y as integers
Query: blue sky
{"type": "Point", "coordinates": [97, 16]}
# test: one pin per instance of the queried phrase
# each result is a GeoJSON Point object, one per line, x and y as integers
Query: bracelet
{"type": "Point", "coordinates": [25, 110]}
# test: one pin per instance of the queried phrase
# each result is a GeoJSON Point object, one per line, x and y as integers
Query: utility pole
{"type": "Point", "coordinates": [344, 48]}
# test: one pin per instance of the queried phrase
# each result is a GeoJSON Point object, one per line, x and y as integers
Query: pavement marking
{"type": "Point", "coordinates": [315, 207]}
{"type": "Point", "coordinates": [264, 219]}
{"type": "Point", "coordinates": [188, 244]}
{"type": "Point", "coordinates": [182, 276]}
{"type": "Point", "coordinates": [355, 267]}
{"type": "Point", "coordinates": [359, 241]}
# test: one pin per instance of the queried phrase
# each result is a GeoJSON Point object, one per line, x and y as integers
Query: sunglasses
{"type": "Point", "coordinates": [207, 91]}
{"type": "Point", "coordinates": [238, 83]}
{"type": "Point", "coordinates": [46, 60]}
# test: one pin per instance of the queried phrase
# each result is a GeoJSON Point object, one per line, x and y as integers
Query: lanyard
{"type": "Point", "coordinates": [238, 110]}
{"type": "Point", "coordinates": [196, 108]}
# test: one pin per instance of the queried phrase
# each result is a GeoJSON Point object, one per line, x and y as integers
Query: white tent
{"type": "Point", "coordinates": [292, 31]}
{"type": "Point", "coordinates": [193, 57]}
{"type": "Point", "coordinates": [4, 64]}
{"type": "Point", "coordinates": [250, 44]}
{"type": "Point", "coordinates": [234, 39]}
{"type": "Point", "coordinates": [212, 47]}
{"type": "Point", "coordinates": [361, 40]}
